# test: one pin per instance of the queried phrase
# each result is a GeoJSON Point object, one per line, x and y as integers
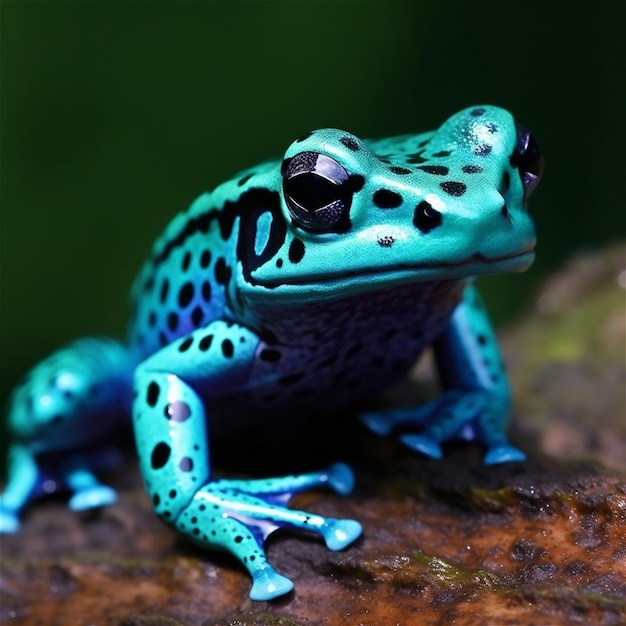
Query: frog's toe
{"type": "Point", "coordinates": [340, 478]}
{"type": "Point", "coordinates": [9, 522]}
{"type": "Point", "coordinates": [339, 534]}
{"type": "Point", "coordinates": [268, 584]}
{"type": "Point", "coordinates": [92, 497]}
{"type": "Point", "coordinates": [378, 423]}
{"type": "Point", "coordinates": [505, 453]}
{"type": "Point", "coordinates": [424, 444]}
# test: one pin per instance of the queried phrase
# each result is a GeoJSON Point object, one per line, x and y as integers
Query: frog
{"type": "Point", "coordinates": [311, 281]}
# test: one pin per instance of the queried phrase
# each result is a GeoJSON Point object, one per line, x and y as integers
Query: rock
{"type": "Point", "coordinates": [446, 541]}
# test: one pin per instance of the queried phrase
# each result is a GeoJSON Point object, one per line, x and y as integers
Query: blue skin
{"type": "Point", "coordinates": [328, 271]}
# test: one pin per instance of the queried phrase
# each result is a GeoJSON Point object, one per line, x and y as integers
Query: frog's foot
{"type": "Point", "coordinates": [503, 452]}
{"type": "Point", "coordinates": [238, 516]}
{"type": "Point", "coordinates": [9, 521]}
{"type": "Point", "coordinates": [88, 492]}
{"type": "Point", "coordinates": [470, 415]}
{"type": "Point", "coordinates": [92, 497]}
{"type": "Point", "coordinates": [423, 444]}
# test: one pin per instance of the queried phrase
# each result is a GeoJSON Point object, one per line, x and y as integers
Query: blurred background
{"type": "Point", "coordinates": [114, 116]}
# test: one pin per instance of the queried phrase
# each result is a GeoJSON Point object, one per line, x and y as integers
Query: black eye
{"type": "Point", "coordinates": [527, 158]}
{"type": "Point", "coordinates": [318, 192]}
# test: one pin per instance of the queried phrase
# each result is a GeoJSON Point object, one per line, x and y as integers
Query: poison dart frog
{"type": "Point", "coordinates": [315, 280]}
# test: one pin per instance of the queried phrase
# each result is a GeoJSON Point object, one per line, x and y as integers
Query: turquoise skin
{"type": "Point", "coordinates": [306, 283]}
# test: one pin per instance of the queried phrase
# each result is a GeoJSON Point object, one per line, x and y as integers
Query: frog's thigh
{"type": "Point", "coordinates": [169, 415]}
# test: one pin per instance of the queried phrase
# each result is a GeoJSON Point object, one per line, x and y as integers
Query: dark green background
{"type": "Point", "coordinates": [115, 115]}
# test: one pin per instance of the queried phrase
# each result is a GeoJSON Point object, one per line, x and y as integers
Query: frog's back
{"type": "Point", "coordinates": [183, 284]}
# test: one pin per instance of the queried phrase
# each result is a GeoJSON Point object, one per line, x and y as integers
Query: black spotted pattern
{"type": "Point", "coordinates": [296, 250]}
{"type": "Point", "coordinates": [350, 143]}
{"type": "Point", "coordinates": [185, 295]}
{"type": "Point", "coordinates": [160, 455]}
{"type": "Point", "coordinates": [386, 199]}
{"type": "Point", "coordinates": [438, 170]}
{"type": "Point", "coordinates": [152, 396]}
{"type": "Point", "coordinates": [471, 169]}
{"type": "Point", "coordinates": [454, 188]}
{"type": "Point", "coordinates": [426, 218]}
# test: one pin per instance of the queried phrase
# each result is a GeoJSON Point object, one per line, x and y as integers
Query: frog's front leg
{"type": "Point", "coordinates": [172, 439]}
{"type": "Point", "coordinates": [475, 403]}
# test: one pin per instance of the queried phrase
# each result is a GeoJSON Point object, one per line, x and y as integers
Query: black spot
{"type": "Point", "coordinates": [185, 295]}
{"type": "Point", "coordinates": [222, 271]}
{"type": "Point", "coordinates": [482, 340]}
{"type": "Point", "coordinates": [153, 394]}
{"type": "Point", "coordinates": [442, 153]}
{"type": "Point", "coordinates": [227, 348]}
{"type": "Point", "coordinates": [172, 321]}
{"type": "Point", "coordinates": [165, 287]}
{"type": "Point", "coordinates": [271, 356]}
{"type": "Point", "coordinates": [416, 158]}
{"type": "Point", "coordinates": [357, 182]}
{"type": "Point", "coordinates": [206, 291]}
{"type": "Point", "coordinates": [279, 263]}
{"type": "Point", "coordinates": [186, 464]}
{"type": "Point", "coordinates": [238, 539]}
{"type": "Point", "coordinates": [185, 345]}
{"type": "Point", "coordinates": [399, 170]}
{"type": "Point", "coordinates": [242, 181]}
{"type": "Point", "coordinates": [439, 170]}
{"type": "Point", "coordinates": [483, 150]}
{"type": "Point", "coordinates": [160, 455]}
{"type": "Point", "coordinates": [385, 199]}
{"type": "Point", "coordinates": [152, 319]}
{"type": "Point", "coordinates": [197, 315]}
{"type": "Point", "coordinates": [290, 379]}
{"type": "Point", "coordinates": [177, 411]}
{"type": "Point", "coordinates": [477, 112]}
{"type": "Point", "coordinates": [205, 259]}
{"type": "Point", "coordinates": [453, 188]}
{"type": "Point", "coordinates": [296, 250]}
{"type": "Point", "coordinates": [156, 499]}
{"type": "Point", "coordinates": [386, 241]}
{"type": "Point", "coordinates": [163, 340]}
{"type": "Point", "coordinates": [426, 218]}
{"type": "Point", "coordinates": [350, 143]}
{"type": "Point", "coordinates": [472, 169]}
{"type": "Point", "coordinates": [149, 284]}
{"type": "Point", "coordinates": [205, 343]}
{"type": "Point", "coordinates": [172, 493]}
{"type": "Point", "coordinates": [186, 261]}
{"type": "Point", "coordinates": [303, 137]}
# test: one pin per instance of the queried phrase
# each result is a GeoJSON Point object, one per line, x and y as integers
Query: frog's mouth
{"type": "Point", "coordinates": [368, 279]}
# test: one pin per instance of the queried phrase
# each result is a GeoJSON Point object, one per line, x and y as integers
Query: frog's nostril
{"type": "Point", "coordinates": [527, 158]}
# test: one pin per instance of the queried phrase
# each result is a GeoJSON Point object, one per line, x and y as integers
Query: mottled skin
{"type": "Point", "coordinates": [316, 279]}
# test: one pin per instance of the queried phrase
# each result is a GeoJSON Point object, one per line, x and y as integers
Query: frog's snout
{"type": "Point", "coordinates": [527, 158]}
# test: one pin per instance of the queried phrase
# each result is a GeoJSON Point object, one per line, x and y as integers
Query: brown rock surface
{"type": "Point", "coordinates": [444, 542]}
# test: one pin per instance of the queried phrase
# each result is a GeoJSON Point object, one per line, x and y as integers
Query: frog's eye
{"type": "Point", "coordinates": [528, 159]}
{"type": "Point", "coordinates": [317, 191]}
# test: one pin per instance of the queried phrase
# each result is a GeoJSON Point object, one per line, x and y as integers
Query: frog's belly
{"type": "Point", "coordinates": [338, 355]}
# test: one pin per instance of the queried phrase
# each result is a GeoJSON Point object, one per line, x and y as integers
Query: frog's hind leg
{"type": "Point", "coordinates": [69, 402]}
{"type": "Point", "coordinates": [172, 440]}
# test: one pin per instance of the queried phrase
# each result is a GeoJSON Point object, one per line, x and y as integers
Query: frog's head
{"type": "Point", "coordinates": [360, 215]}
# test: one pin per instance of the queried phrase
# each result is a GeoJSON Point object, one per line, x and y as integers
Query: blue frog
{"type": "Point", "coordinates": [305, 283]}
